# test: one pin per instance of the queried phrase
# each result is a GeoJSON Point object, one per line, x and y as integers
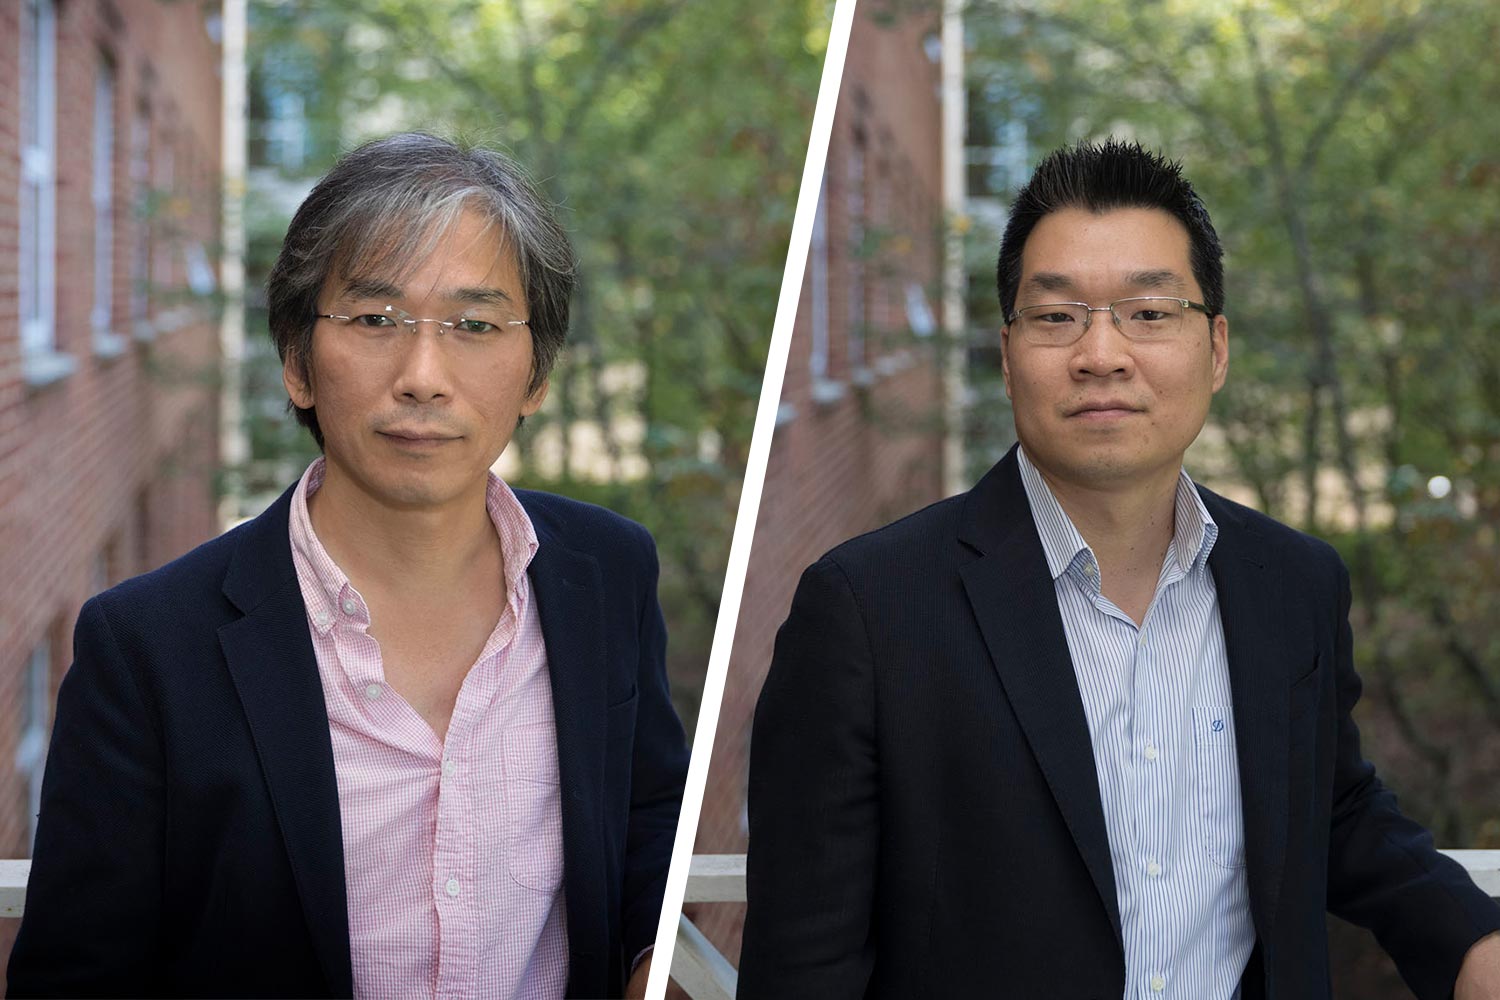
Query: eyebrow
{"type": "Point", "coordinates": [1053, 281]}
{"type": "Point", "coordinates": [374, 288]}
{"type": "Point", "coordinates": [1160, 278]}
{"type": "Point", "coordinates": [370, 288]}
{"type": "Point", "coordinates": [1049, 281]}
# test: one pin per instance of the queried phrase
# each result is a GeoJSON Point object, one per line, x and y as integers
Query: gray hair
{"type": "Point", "coordinates": [384, 207]}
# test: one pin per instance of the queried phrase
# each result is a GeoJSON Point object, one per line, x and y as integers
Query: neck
{"type": "Point", "coordinates": [401, 549]}
{"type": "Point", "coordinates": [1129, 528]}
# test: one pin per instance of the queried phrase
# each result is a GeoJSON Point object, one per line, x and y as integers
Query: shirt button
{"type": "Point", "coordinates": [349, 606]}
{"type": "Point", "coordinates": [452, 887]}
{"type": "Point", "coordinates": [374, 691]}
{"type": "Point", "coordinates": [1158, 984]}
{"type": "Point", "coordinates": [323, 618]}
{"type": "Point", "coordinates": [1143, 642]}
{"type": "Point", "coordinates": [1153, 869]}
{"type": "Point", "coordinates": [449, 769]}
{"type": "Point", "coordinates": [1151, 752]}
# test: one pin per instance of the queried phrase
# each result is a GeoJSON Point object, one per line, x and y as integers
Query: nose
{"type": "Point", "coordinates": [422, 373]}
{"type": "Point", "coordinates": [1102, 351]}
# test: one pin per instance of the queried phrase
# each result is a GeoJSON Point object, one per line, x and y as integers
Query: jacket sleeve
{"type": "Point", "coordinates": [657, 774]}
{"type": "Point", "coordinates": [1384, 872]}
{"type": "Point", "coordinates": [93, 902]}
{"type": "Point", "coordinates": [814, 816]}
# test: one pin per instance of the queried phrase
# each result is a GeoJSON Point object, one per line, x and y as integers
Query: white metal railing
{"type": "Point", "coordinates": [697, 966]}
{"type": "Point", "coordinates": [13, 887]}
{"type": "Point", "coordinates": [705, 974]}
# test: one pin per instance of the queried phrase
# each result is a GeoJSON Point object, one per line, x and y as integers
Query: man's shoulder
{"type": "Point", "coordinates": [907, 542]}
{"type": "Point", "coordinates": [581, 525]}
{"type": "Point", "coordinates": [1274, 540]}
{"type": "Point", "coordinates": [188, 591]}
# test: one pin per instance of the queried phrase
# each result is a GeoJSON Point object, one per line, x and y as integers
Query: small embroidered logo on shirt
{"type": "Point", "coordinates": [1218, 725]}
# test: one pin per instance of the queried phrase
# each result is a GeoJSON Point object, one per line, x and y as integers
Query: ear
{"type": "Point", "coordinates": [1005, 357]}
{"type": "Point", "coordinates": [1219, 343]}
{"type": "Point", "coordinates": [297, 377]}
{"type": "Point", "coordinates": [534, 401]}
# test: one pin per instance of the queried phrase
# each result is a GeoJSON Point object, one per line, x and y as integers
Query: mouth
{"type": "Point", "coordinates": [417, 438]}
{"type": "Point", "coordinates": [1109, 409]}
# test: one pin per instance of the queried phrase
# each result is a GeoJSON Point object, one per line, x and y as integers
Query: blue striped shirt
{"type": "Point", "coordinates": [1161, 723]}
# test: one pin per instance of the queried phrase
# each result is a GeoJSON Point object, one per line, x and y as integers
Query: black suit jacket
{"type": "Point", "coordinates": [189, 840]}
{"type": "Point", "coordinates": [925, 818]}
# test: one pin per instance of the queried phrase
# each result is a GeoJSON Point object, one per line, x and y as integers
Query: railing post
{"type": "Point", "coordinates": [698, 967]}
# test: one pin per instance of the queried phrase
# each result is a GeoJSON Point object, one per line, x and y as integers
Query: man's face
{"type": "Point", "coordinates": [418, 421]}
{"type": "Point", "coordinates": [1107, 412]}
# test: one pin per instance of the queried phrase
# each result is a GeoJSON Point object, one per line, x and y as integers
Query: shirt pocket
{"type": "Point", "coordinates": [533, 798]}
{"type": "Point", "coordinates": [1217, 785]}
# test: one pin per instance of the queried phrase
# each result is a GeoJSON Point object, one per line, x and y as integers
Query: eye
{"type": "Point", "coordinates": [1150, 315]}
{"type": "Point", "coordinates": [1054, 317]}
{"type": "Point", "coordinates": [373, 321]}
{"type": "Point", "coordinates": [467, 325]}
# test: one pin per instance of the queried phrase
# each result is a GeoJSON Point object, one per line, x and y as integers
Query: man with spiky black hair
{"type": "Point", "coordinates": [1085, 730]}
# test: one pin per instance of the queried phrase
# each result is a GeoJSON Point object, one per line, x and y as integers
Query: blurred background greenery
{"type": "Point", "coordinates": [672, 133]}
{"type": "Point", "coordinates": [1349, 153]}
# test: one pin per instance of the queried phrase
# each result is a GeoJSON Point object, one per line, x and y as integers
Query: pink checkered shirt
{"type": "Point", "coordinates": [453, 856]}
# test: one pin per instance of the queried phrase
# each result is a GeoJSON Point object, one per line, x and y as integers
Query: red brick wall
{"type": "Point", "coordinates": [115, 461]}
{"type": "Point", "coordinates": [845, 466]}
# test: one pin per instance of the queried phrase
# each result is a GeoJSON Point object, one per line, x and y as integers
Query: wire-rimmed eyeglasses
{"type": "Point", "coordinates": [377, 330]}
{"type": "Point", "coordinates": [1139, 317]}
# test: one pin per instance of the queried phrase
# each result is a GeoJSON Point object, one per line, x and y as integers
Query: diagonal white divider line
{"type": "Point", "coordinates": [755, 474]}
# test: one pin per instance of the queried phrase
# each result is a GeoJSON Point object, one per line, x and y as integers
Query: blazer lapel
{"type": "Point", "coordinates": [1249, 589]}
{"type": "Point", "coordinates": [1015, 603]}
{"type": "Point", "coordinates": [275, 671]}
{"type": "Point", "coordinates": [570, 603]}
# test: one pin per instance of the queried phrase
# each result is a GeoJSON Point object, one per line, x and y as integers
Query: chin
{"type": "Point", "coordinates": [1099, 466]}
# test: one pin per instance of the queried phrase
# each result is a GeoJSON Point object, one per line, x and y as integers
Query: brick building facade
{"type": "Point", "coordinates": [110, 117]}
{"type": "Point", "coordinates": [860, 435]}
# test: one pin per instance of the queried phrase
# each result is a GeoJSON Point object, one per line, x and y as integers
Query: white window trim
{"type": "Point", "coordinates": [41, 361]}
{"type": "Point", "coordinates": [817, 362]}
{"type": "Point", "coordinates": [824, 390]}
{"type": "Point", "coordinates": [31, 749]}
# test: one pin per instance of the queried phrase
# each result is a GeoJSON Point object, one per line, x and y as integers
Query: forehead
{"type": "Point", "coordinates": [1075, 247]}
{"type": "Point", "coordinates": [468, 252]}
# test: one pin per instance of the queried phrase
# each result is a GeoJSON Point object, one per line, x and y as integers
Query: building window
{"type": "Point", "coordinates": [39, 193]}
{"type": "Point", "coordinates": [31, 752]}
{"type": "Point", "coordinates": [817, 364]}
{"type": "Point", "coordinates": [105, 342]}
{"type": "Point", "coordinates": [163, 277]}
{"type": "Point", "coordinates": [856, 208]}
{"type": "Point", "coordinates": [140, 189]}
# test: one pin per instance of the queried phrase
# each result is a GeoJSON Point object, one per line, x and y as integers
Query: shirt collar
{"type": "Point", "coordinates": [1193, 529]}
{"type": "Point", "coordinates": [334, 595]}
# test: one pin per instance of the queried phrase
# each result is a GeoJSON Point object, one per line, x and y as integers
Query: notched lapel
{"type": "Point", "coordinates": [569, 593]}
{"type": "Point", "coordinates": [275, 672]}
{"type": "Point", "coordinates": [1254, 621]}
{"type": "Point", "coordinates": [1015, 603]}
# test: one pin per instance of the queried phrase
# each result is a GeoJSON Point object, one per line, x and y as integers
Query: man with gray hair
{"type": "Point", "coordinates": [408, 732]}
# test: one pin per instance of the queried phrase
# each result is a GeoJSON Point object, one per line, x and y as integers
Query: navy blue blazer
{"type": "Point", "coordinates": [189, 840]}
{"type": "Point", "coordinates": [924, 810]}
